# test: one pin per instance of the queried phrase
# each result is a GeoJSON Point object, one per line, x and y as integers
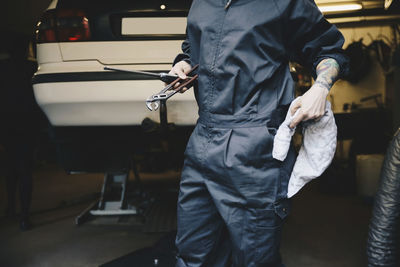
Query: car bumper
{"type": "Point", "coordinates": [106, 98]}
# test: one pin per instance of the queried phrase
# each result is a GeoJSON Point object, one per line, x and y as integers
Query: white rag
{"type": "Point", "coordinates": [316, 152]}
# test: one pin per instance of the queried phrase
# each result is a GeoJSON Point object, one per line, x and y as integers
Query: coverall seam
{"type": "Point", "coordinates": [204, 156]}
{"type": "Point", "coordinates": [233, 125]}
{"type": "Point", "coordinates": [276, 6]}
{"type": "Point", "coordinates": [281, 17]}
{"type": "Point", "coordinates": [234, 121]}
{"type": "Point", "coordinates": [240, 3]}
{"type": "Point", "coordinates": [212, 70]}
{"type": "Point", "coordinates": [280, 180]}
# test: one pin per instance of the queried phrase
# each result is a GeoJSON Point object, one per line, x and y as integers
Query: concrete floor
{"type": "Point", "coordinates": [322, 231]}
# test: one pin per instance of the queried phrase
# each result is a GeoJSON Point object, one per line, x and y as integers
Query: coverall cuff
{"type": "Point", "coordinates": [181, 57]}
{"type": "Point", "coordinates": [341, 59]}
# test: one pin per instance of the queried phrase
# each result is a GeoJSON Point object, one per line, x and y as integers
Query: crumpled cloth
{"type": "Point", "coordinates": [316, 152]}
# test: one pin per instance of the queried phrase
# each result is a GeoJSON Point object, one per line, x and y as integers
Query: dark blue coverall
{"type": "Point", "coordinates": [232, 199]}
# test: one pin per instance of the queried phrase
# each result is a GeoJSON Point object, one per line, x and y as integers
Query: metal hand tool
{"type": "Point", "coordinates": [153, 102]}
{"type": "Point", "coordinates": [165, 77]}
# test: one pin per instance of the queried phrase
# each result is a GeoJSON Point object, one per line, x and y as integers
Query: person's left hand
{"type": "Point", "coordinates": [311, 105]}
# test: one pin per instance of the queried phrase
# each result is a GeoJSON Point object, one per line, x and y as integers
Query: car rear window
{"type": "Point", "coordinates": [119, 20]}
{"type": "Point", "coordinates": [132, 26]}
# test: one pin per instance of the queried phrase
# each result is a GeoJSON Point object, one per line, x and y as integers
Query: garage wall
{"type": "Point", "coordinates": [374, 83]}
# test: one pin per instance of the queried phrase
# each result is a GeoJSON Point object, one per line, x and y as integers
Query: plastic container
{"type": "Point", "coordinates": [368, 170]}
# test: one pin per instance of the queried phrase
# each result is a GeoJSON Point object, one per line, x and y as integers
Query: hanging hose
{"type": "Point", "coordinates": [382, 246]}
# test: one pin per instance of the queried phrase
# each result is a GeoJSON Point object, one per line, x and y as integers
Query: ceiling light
{"type": "Point", "coordinates": [339, 8]}
{"type": "Point", "coordinates": [162, 7]}
{"type": "Point", "coordinates": [388, 3]}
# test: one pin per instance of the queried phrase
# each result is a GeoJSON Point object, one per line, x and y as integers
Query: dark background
{"type": "Point", "coordinates": [21, 16]}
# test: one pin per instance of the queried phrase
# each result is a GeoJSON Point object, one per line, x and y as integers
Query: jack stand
{"type": "Point", "coordinates": [112, 201]}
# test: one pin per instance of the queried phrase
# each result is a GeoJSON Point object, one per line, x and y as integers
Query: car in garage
{"type": "Point", "coordinates": [95, 114]}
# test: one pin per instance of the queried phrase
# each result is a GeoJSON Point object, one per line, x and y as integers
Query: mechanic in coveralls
{"type": "Point", "coordinates": [232, 199]}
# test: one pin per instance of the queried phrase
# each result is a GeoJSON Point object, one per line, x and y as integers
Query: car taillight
{"type": "Point", "coordinates": [63, 25]}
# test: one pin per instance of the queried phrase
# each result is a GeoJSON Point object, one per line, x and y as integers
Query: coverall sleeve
{"type": "Point", "coordinates": [185, 55]}
{"type": "Point", "coordinates": [310, 38]}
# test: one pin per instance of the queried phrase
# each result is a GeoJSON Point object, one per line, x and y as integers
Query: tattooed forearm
{"type": "Point", "coordinates": [327, 73]}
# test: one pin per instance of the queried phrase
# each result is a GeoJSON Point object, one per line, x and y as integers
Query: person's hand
{"type": "Point", "coordinates": [311, 105]}
{"type": "Point", "coordinates": [181, 69]}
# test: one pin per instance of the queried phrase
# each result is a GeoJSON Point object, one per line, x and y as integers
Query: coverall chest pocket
{"type": "Point", "coordinates": [250, 146]}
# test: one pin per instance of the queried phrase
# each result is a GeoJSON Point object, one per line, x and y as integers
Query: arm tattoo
{"type": "Point", "coordinates": [327, 72]}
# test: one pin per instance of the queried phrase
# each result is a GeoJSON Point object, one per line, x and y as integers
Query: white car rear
{"type": "Point", "coordinates": [96, 115]}
{"type": "Point", "coordinates": [77, 39]}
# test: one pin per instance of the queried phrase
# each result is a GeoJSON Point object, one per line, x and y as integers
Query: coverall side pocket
{"type": "Point", "coordinates": [268, 218]}
{"type": "Point", "coordinates": [249, 146]}
{"type": "Point", "coordinates": [190, 141]}
{"type": "Point", "coordinates": [273, 216]}
{"type": "Point", "coordinates": [282, 208]}
{"type": "Point", "coordinates": [284, 174]}
{"type": "Point", "coordinates": [272, 131]}
{"type": "Point", "coordinates": [267, 236]}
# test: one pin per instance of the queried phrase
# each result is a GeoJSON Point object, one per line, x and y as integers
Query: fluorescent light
{"type": "Point", "coordinates": [388, 3]}
{"type": "Point", "coordinates": [339, 8]}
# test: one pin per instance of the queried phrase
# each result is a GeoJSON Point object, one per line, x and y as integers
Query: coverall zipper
{"type": "Point", "coordinates": [228, 4]}
{"type": "Point", "coordinates": [212, 69]}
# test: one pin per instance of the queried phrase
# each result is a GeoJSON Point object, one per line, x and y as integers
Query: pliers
{"type": "Point", "coordinates": [153, 102]}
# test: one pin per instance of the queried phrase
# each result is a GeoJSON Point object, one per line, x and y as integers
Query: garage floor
{"type": "Point", "coordinates": [322, 231]}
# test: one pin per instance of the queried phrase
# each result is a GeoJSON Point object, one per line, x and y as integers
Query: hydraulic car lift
{"type": "Point", "coordinates": [113, 198]}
